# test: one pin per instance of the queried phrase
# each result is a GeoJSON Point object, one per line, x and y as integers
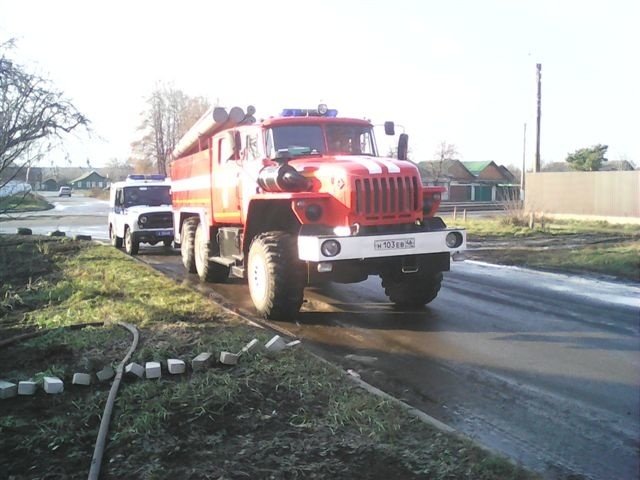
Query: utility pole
{"type": "Point", "coordinates": [524, 163]}
{"type": "Point", "coordinates": [539, 76]}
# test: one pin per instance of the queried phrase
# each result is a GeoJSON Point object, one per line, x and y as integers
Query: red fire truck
{"type": "Point", "coordinates": [301, 198]}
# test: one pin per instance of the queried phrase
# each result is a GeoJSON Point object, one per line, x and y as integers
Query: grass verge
{"type": "Point", "coordinates": [23, 203]}
{"type": "Point", "coordinates": [562, 245]}
{"type": "Point", "coordinates": [288, 416]}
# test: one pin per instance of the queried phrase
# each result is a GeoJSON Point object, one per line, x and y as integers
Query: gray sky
{"type": "Point", "coordinates": [456, 71]}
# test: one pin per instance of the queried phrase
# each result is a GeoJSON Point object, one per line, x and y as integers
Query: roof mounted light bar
{"type": "Point", "coordinates": [321, 111]}
{"type": "Point", "coordinates": [138, 177]}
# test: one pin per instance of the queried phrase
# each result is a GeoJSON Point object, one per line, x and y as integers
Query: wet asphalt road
{"type": "Point", "coordinates": [542, 367]}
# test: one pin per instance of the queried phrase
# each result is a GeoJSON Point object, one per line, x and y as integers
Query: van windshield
{"type": "Point", "coordinates": [147, 195]}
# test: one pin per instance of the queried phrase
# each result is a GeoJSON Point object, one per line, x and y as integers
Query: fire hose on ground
{"type": "Point", "coordinates": [96, 461]}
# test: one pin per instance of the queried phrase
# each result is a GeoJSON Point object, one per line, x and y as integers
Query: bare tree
{"type": "Point", "coordinates": [169, 114]}
{"type": "Point", "coordinates": [117, 169]}
{"type": "Point", "coordinates": [444, 153]}
{"type": "Point", "coordinates": [34, 116]}
{"type": "Point", "coordinates": [515, 170]}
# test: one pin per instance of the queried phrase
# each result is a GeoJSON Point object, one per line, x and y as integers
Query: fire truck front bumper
{"type": "Point", "coordinates": [326, 248]}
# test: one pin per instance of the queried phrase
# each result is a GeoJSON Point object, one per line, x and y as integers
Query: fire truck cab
{"type": "Point", "coordinates": [306, 197]}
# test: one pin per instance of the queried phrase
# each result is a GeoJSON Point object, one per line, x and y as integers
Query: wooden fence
{"type": "Point", "coordinates": [589, 194]}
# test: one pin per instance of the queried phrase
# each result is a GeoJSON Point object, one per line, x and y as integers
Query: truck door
{"type": "Point", "coordinates": [226, 179]}
{"type": "Point", "coordinates": [252, 153]}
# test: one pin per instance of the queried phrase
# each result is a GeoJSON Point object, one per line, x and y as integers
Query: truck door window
{"type": "Point", "coordinates": [350, 140]}
{"type": "Point", "coordinates": [251, 147]}
{"type": "Point", "coordinates": [225, 149]}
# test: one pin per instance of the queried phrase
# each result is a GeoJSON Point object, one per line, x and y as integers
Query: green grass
{"type": "Point", "coordinates": [515, 226]}
{"type": "Point", "coordinates": [23, 203]}
{"type": "Point", "coordinates": [288, 416]}
{"type": "Point", "coordinates": [563, 245]}
{"type": "Point", "coordinates": [621, 261]}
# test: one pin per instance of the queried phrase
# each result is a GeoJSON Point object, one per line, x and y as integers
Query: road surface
{"type": "Point", "coordinates": [542, 367]}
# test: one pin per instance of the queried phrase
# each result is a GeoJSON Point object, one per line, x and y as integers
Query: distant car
{"type": "Point", "coordinates": [64, 192]}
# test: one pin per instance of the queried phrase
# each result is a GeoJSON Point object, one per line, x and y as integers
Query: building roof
{"type": "Point", "coordinates": [477, 167]}
{"type": "Point", "coordinates": [87, 175]}
{"type": "Point", "coordinates": [613, 165]}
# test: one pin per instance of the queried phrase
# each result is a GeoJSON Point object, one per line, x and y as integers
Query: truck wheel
{"type": "Point", "coordinates": [131, 246]}
{"type": "Point", "coordinates": [411, 290]}
{"type": "Point", "coordinates": [116, 241]}
{"type": "Point", "coordinates": [276, 276]}
{"type": "Point", "coordinates": [207, 271]}
{"type": "Point", "coordinates": [187, 237]}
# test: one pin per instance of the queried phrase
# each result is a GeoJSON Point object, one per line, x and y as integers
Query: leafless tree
{"type": "Point", "coordinates": [34, 116]}
{"type": "Point", "coordinates": [444, 153]}
{"type": "Point", "coordinates": [515, 170]}
{"type": "Point", "coordinates": [117, 169]}
{"type": "Point", "coordinates": [169, 114]}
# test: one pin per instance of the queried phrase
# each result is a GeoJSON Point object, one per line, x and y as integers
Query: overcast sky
{"type": "Point", "coordinates": [457, 71]}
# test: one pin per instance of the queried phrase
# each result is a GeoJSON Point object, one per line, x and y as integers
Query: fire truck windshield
{"type": "Point", "coordinates": [337, 139]}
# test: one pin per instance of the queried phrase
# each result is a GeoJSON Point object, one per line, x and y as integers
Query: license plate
{"type": "Point", "coordinates": [394, 244]}
{"type": "Point", "coordinates": [164, 233]}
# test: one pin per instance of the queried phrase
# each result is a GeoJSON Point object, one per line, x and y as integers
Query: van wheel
{"type": "Point", "coordinates": [116, 241]}
{"type": "Point", "coordinates": [131, 246]}
{"type": "Point", "coordinates": [207, 271]}
{"type": "Point", "coordinates": [276, 276]}
{"type": "Point", "coordinates": [187, 238]}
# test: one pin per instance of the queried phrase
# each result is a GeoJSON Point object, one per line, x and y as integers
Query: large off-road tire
{"type": "Point", "coordinates": [187, 239]}
{"type": "Point", "coordinates": [411, 290]}
{"type": "Point", "coordinates": [131, 245]}
{"type": "Point", "coordinates": [207, 271]}
{"type": "Point", "coordinates": [116, 241]}
{"type": "Point", "coordinates": [276, 276]}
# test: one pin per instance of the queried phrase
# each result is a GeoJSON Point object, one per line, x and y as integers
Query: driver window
{"type": "Point", "coordinates": [251, 147]}
{"type": "Point", "coordinates": [225, 149]}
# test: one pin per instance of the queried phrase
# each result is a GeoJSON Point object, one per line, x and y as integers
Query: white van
{"type": "Point", "coordinates": [140, 212]}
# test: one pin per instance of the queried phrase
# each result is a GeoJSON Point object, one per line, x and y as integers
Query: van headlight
{"type": "Point", "coordinates": [330, 248]}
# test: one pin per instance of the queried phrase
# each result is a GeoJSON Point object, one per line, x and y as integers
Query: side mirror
{"type": "Point", "coordinates": [403, 146]}
{"type": "Point", "coordinates": [389, 128]}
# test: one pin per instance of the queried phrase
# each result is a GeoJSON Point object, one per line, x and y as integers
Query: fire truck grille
{"type": "Point", "coordinates": [158, 220]}
{"type": "Point", "coordinates": [387, 197]}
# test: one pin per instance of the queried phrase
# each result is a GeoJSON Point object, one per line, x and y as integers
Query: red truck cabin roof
{"type": "Point", "coordinates": [275, 121]}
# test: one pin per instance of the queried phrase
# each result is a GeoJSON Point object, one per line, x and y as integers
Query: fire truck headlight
{"type": "Point", "coordinates": [322, 109]}
{"type": "Point", "coordinates": [342, 231]}
{"type": "Point", "coordinates": [330, 248]}
{"type": "Point", "coordinates": [313, 212]}
{"type": "Point", "coordinates": [454, 239]}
